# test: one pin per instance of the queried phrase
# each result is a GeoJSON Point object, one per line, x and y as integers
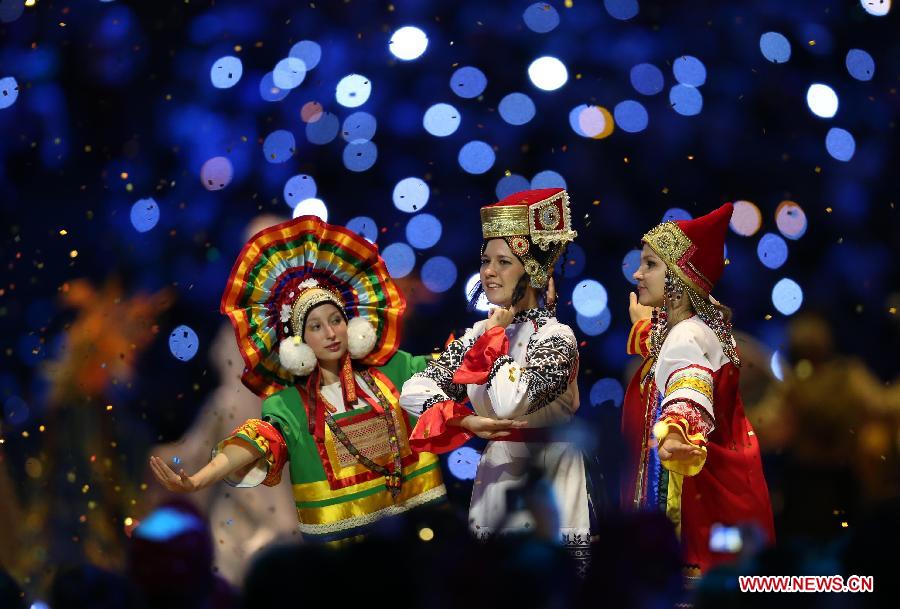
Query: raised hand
{"type": "Point", "coordinates": [499, 317]}
{"type": "Point", "coordinates": [550, 294]}
{"type": "Point", "coordinates": [636, 310]}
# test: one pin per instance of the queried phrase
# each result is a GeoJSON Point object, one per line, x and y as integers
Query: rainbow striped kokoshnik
{"type": "Point", "coordinates": [267, 273]}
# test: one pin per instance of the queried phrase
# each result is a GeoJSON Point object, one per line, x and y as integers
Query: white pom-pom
{"type": "Point", "coordinates": [296, 356]}
{"type": "Point", "coordinates": [361, 337]}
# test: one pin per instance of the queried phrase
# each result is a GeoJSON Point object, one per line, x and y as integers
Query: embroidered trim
{"type": "Point", "coordinates": [696, 378]}
{"type": "Point", "coordinates": [442, 369]}
{"type": "Point", "coordinates": [540, 315]}
{"type": "Point", "coordinates": [435, 399]}
{"type": "Point", "coordinates": [698, 422]}
{"type": "Point", "coordinates": [358, 521]}
{"type": "Point", "coordinates": [495, 368]}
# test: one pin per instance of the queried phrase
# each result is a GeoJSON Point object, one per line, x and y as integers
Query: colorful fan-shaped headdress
{"type": "Point", "coordinates": [285, 271]}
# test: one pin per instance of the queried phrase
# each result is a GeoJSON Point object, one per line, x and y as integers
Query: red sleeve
{"type": "Point", "coordinates": [476, 366]}
{"type": "Point", "coordinates": [433, 432]}
{"type": "Point", "coordinates": [639, 338]}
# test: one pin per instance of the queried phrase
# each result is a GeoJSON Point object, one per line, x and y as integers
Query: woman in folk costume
{"type": "Point", "coordinates": [518, 370]}
{"type": "Point", "coordinates": [706, 468]}
{"type": "Point", "coordinates": [317, 316]}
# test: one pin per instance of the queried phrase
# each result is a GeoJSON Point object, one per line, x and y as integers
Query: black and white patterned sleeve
{"type": "Point", "coordinates": [435, 384]}
{"type": "Point", "coordinates": [551, 364]}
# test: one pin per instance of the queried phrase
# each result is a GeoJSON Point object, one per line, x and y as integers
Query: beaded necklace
{"type": "Point", "coordinates": [393, 474]}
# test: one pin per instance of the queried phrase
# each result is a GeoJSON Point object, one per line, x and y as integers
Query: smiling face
{"type": "Point", "coordinates": [325, 332]}
{"type": "Point", "coordinates": [651, 278]}
{"type": "Point", "coordinates": [500, 272]}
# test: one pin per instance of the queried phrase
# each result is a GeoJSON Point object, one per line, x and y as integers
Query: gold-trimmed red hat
{"type": "Point", "coordinates": [531, 218]}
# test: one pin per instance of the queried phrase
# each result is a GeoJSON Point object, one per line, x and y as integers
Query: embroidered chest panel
{"type": "Point", "coordinates": [370, 437]}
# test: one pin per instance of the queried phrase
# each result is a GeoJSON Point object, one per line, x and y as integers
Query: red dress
{"type": "Point", "coordinates": [693, 391]}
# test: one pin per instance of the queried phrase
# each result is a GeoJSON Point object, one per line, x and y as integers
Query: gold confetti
{"type": "Point", "coordinates": [73, 254]}
{"type": "Point", "coordinates": [63, 232]}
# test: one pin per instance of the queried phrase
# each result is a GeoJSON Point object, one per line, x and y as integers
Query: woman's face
{"type": "Point", "coordinates": [500, 272]}
{"type": "Point", "coordinates": [326, 332]}
{"type": "Point", "coordinates": [651, 278]}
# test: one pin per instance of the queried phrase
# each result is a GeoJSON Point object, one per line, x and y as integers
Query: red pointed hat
{"type": "Point", "coordinates": [694, 249]}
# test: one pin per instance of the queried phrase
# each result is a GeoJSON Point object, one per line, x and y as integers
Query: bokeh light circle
{"type": "Point", "coordinates": [476, 157]}
{"type": "Point", "coordinates": [596, 325]}
{"type": "Point", "coordinates": [623, 10]}
{"type": "Point", "coordinates": [468, 82]}
{"type": "Point", "coordinates": [746, 219]}
{"type": "Point", "coordinates": [463, 463]}
{"type": "Point", "coordinates": [516, 109]}
{"type": "Point", "coordinates": [674, 214]}
{"type": "Point", "coordinates": [408, 43]}
{"type": "Point", "coordinates": [144, 215]}
{"type": "Point", "coordinates": [359, 127]}
{"type": "Point", "coordinates": [289, 73]}
{"type": "Point", "coordinates": [685, 100]}
{"type": "Point", "coordinates": [399, 258]}
{"type": "Point", "coordinates": [822, 100]}
{"type": "Point", "coordinates": [311, 207]}
{"type": "Point", "coordinates": [607, 390]}
{"type": "Point", "coordinates": [647, 79]}
{"type": "Point", "coordinates": [353, 90]}
{"type": "Point", "coordinates": [441, 120]}
{"type": "Point", "coordinates": [631, 116]}
{"type": "Point", "coordinates": [298, 188]}
{"type": "Point", "coordinates": [279, 146]}
{"type": "Point", "coordinates": [269, 91]}
{"type": "Point", "coordinates": [216, 173]}
{"type": "Point", "coordinates": [323, 130]}
{"type": "Point", "coordinates": [183, 343]}
{"type": "Point", "coordinates": [548, 73]}
{"type": "Point", "coordinates": [360, 156]}
{"type": "Point", "coordinates": [790, 220]}
{"type": "Point", "coordinates": [510, 185]}
{"type": "Point", "coordinates": [689, 71]}
{"type": "Point", "coordinates": [541, 17]}
{"type": "Point", "coordinates": [589, 297]}
{"type": "Point", "coordinates": [840, 144]}
{"type": "Point", "coordinates": [547, 179]}
{"type": "Point", "coordinates": [772, 250]}
{"type": "Point", "coordinates": [411, 195]}
{"type": "Point", "coordinates": [311, 112]}
{"type": "Point", "coordinates": [630, 263]}
{"type": "Point", "coordinates": [860, 64]}
{"type": "Point", "coordinates": [226, 72]}
{"type": "Point", "coordinates": [591, 121]}
{"type": "Point", "coordinates": [787, 296]}
{"type": "Point", "coordinates": [307, 51]}
{"type": "Point", "coordinates": [438, 274]}
{"type": "Point", "coordinates": [365, 227]}
{"type": "Point", "coordinates": [876, 8]}
{"type": "Point", "coordinates": [775, 47]}
{"type": "Point", "coordinates": [423, 231]}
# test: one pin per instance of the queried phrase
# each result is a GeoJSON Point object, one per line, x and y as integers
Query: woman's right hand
{"type": "Point", "coordinates": [490, 429]}
{"type": "Point", "coordinates": [636, 310]}
{"type": "Point", "coordinates": [178, 483]}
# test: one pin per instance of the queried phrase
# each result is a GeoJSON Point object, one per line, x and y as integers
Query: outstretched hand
{"type": "Point", "coordinates": [490, 429]}
{"type": "Point", "coordinates": [179, 483]}
{"type": "Point", "coordinates": [636, 310]}
{"type": "Point", "coordinates": [674, 448]}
